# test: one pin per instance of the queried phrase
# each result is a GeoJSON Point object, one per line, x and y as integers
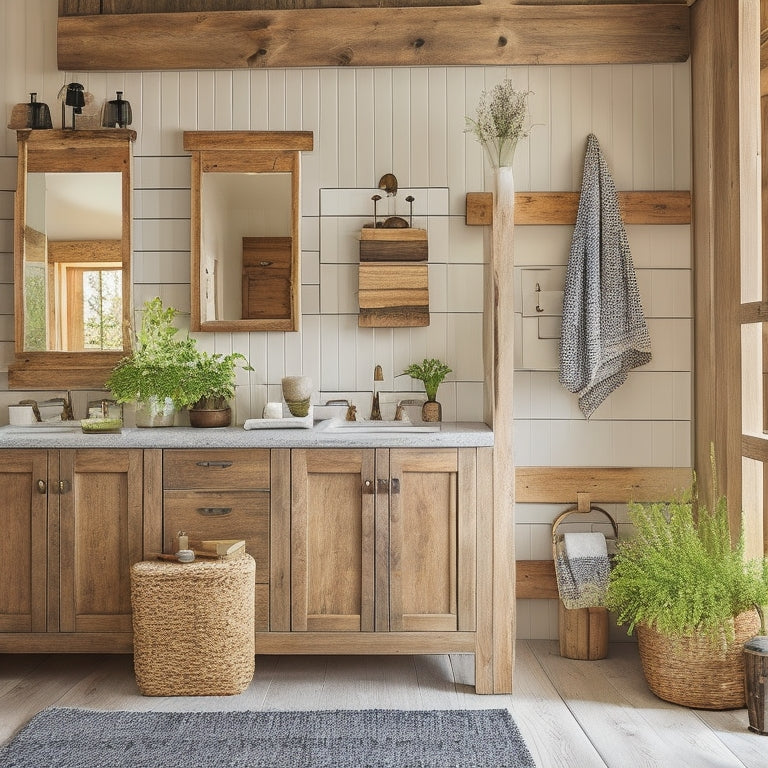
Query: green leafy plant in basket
{"type": "Point", "coordinates": [431, 373]}
{"type": "Point", "coordinates": [158, 366]}
{"type": "Point", "coordinates": [681, 573]}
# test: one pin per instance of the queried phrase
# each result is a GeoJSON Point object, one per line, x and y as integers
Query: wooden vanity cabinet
{"type": "Point", "coordinates": [383, 540]}
{"type": "Point", "coordinates": [72, 524]}
{"type": "Point", "coordinates": [221, 494]}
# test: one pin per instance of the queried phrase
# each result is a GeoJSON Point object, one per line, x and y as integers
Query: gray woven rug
{"type": "Point", "coordinates": [78, 738]}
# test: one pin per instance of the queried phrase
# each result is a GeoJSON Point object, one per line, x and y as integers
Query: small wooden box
{"type": "Point", "coordinates": [393, 288]}
{"type": "Point", "coordinates": [583, 633]}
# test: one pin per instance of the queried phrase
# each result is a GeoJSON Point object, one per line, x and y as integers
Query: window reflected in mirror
{"type": "Point", "coordinates": [73, 295]}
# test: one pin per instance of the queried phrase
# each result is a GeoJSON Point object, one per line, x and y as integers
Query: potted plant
{"type": "Point", "coordinates": [692, 596]}
{"type": "Point", "coordinates": [155, 374]}
{"type": "Point", "coordinates": [210, 385]}
{"type": "Point", "coordinates": [431, 373]}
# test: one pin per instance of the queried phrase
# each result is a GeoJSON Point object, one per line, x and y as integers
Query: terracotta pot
{"type": "Point", "coordinates": [431, 411]}
{"type": "Point", "coordinates": [213, 417]}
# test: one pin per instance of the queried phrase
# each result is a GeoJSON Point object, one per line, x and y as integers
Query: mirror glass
{"type": "Point", "coordinates": [243, 216]}
{"type": "Point", "coordinates": [245, 229]}
{"type": "Point", "coordinates": [72, 257]}
{"type": "Point", "coordinates": [72, 262]}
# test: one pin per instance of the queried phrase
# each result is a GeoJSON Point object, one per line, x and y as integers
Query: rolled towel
{"type": "Point", "coordinates": [582, 568]}
{"type": "Point", "coordinates": [585, 545]}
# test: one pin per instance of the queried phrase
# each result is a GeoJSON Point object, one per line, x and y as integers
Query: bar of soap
{"type": "Point", "coordinates": [273, 411]}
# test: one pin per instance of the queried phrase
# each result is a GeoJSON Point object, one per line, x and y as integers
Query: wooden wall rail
{"type": "Point", "coordinates": [329, 37]}
{"type": "Point", "coordinates": [668, 207]}
{"type": "Point", "coordinates": [535, 579]}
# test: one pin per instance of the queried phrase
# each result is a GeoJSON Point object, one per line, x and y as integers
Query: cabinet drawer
{"type": "Point", "coordinates": [216, 468]}
{"type": "Point", "coordinates": [221, 515]}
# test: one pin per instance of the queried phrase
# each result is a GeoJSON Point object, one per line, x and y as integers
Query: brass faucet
{"type": "Point", "coordinates": [378, 375]}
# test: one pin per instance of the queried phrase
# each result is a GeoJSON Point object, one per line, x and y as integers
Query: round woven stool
{"type": "Point", "coordinates": [193, 626]}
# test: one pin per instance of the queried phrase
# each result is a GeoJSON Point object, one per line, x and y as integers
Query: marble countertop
{"type": "Point", "coordinates": [451, 435]}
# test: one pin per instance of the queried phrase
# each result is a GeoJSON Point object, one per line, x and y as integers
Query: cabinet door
{"type": "Point", "coordinates": [432, 540]}
{"type": "Point", "coordinates": [332, 538]}
{"type": "Point", "coordinates": [100, 523]}
{"type": "Point", "coordinates": [23, 502]}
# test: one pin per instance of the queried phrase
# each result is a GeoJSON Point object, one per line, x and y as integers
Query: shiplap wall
{"type": "Point", "coordinates": [368, 122]}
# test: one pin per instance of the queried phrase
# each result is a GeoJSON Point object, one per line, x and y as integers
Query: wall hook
{"type": "Point", "coordinates": [539, 308]}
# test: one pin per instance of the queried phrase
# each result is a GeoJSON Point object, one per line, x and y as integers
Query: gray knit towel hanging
{"type": "Point", "coordinates": [604, 334]}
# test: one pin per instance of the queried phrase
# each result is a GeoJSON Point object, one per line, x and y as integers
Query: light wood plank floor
{"type": "Point", "coordinates": [574, 714]}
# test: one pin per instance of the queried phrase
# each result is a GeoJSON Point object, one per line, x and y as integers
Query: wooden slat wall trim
{"type": "Point", "coordinates": [487, 35]}
{"type": "Point", "coordinates": [607, 485]}
{"type": "Point", "coordinates": [535, 579]}
{"type": "Point", "coordinates": [560, 207]}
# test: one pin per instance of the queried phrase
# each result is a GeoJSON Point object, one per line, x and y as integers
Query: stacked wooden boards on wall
{"type": "Point", "coordinates": [393, 280]}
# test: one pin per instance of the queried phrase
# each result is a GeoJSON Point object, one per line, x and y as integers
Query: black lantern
{"type": "Point", "coordinates": [117, 112]}
{"type": "Point", "coordinates": [38, 114]}
{"type": "Point", "coordinates": [74, 97]}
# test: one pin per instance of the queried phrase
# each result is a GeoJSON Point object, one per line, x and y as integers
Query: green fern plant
{"type": "Point", "coordinates": [210, 381]}
{"type": "Point", "coordinates": [159, 364]}
{"type": "Point", "coordinates": [430, 372]}
{"type": "Point", "coordinates": [681, 573]}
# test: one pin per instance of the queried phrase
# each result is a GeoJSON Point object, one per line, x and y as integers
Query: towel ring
{"type": "Point", "coordinates": [575, 510]}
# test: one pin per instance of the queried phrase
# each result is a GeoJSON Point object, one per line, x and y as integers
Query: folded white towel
{"type": "Point", "coordinates": [585, 545]}
{"type": "Point", "coordinates": [582, 568]}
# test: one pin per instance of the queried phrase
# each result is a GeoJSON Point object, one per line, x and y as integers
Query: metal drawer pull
{"type": "Point", "coordinates": [220, 464]}
{"type": "Point", "coordinates": [42, 487]}
{"type": "Point", "coordinates": [382, 485]}
{"type": "Point", "coordinates": [214, 511]}
{"type": "Point", "coordinates": [395, 485]}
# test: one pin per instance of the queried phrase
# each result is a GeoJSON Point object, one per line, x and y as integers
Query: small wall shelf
{"type": "Point", "coordinates": [531, 208]}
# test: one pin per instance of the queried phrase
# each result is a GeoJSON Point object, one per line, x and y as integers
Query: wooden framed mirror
{"type": "Point", "coordinates": [72, 257]}
{"type": "Point", "coordinates": [245, 245]}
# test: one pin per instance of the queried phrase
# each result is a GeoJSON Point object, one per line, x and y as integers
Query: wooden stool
{"type": "Point", "coordinates": [193, 626]}
{"type": "Point", "coordinates": [583, 633]}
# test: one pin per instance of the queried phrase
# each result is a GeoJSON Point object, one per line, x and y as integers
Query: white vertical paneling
{"type": "Point", "coordinates": [293, 99]}
{"type": "Point", "coordinates": [241, 100]}
{"type": "Point", "coordinates": [455, 138]}
{"type": "Point", "coordinates": [475, 161]}
{"type": "Point", "coordinates": [541, 129]}
{"type": "Point", "coordinates": [622, 126]}
{"type": "Point", "coordinates": [401, 125]}
{"type": "Point", "coordinates": [365, 130]}
{"type": "Point", "coordinates": [561, 164]}
{"type": "Point", "coordinates": [382, 119]}
{"type": "Point", "coordinates": [347, 128]}
{"type": "Point", "coordinates": [222, 100]}
{"type": "Point", "coordinates": [642, 126]}
{"type": "Point", "coordinates": [601, 112]}
{"type": "Point", "coordinates": [581, 119]}
{"type": "Point", "coordinates": [206, 95]}
{"type": "Point", "coordinates": [170, 122]}
{"type": "Point", "coordinates": [276, 99]}
{"type": "Point", "coordinates": [187, 101]}
{"type": "Point", "coordinates": [419, 129]}
{"type": "Point", "coordinates": [259, 99]}
{"type": "Point", "coordinates": [326, 142]}
{"type": "Point", "coordinates": [663, 130]}
{"type": "Point", "coordinates": [681, 132]}
{"type": "Point", "coordinates": [275, 356]}
{"type": "Point", "coordinates": [437, 139]}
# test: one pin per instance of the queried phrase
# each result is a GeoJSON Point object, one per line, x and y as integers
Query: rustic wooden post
{"type": "Point", "coordinates": [502, 265]}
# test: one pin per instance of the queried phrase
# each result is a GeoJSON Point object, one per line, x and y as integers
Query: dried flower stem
{"type": "Point", "coordinates": [500, 122]}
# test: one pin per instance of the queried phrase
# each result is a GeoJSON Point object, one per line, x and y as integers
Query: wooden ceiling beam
{"type": "Point", "coordinates": [457, 35]}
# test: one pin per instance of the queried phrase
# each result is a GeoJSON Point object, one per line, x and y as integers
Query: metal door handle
{"type": "Point", "coordinates": [214, 511]}
{"type": "Point", "coordinates": [219, 464]}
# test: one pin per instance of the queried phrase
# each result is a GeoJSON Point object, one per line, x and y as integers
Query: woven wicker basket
{"type": "Point", "coordinates": [693, 672]}
{"type": "Point", "coordinates": [193, 626]}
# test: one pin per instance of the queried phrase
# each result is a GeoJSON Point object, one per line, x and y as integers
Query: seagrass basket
{"type": "Point", "coordinates": [193, 626]}
{"type": "Point", "coordinates": [694, 672]}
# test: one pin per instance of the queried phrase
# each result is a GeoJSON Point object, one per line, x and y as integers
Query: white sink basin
{"type": "Point", "coordinates": [45, 427]}
{"type": "Point", "coordinates": [342, 427]}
